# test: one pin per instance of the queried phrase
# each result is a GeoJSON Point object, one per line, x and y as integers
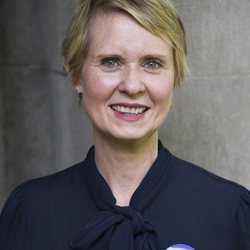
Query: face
{"type": "Point", "coordinates": [127, 78]}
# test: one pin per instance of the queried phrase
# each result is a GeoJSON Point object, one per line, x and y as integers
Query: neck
{"type": "Point", "coordinates": [124, 164]}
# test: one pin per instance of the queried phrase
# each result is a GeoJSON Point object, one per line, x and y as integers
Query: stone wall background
{"type": "Point", "coordinates": [42, 130]}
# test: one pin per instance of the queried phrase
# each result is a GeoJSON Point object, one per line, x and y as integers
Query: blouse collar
{"type": "Point", "coordinates": [123, 228]}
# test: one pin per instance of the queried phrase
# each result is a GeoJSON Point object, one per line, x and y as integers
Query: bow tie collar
{"type": "Point", "coordinates": [123, 228]}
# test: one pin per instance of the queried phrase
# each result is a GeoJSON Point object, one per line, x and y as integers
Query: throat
{"type": "Point", "coordinates": [124, 194]}
{"type": "Point", "coordinates": [124, 170]}
{"type": "Point", "coordinates": [124, 180]}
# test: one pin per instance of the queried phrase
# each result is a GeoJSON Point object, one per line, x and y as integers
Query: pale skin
{"type": "Point", "coordinates": [127, 82]}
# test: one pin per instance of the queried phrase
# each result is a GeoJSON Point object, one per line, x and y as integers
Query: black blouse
{"type": "Point", "coordinates": [176, 203]}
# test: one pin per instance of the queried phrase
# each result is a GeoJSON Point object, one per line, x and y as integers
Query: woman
{"type": "Point", "coordinates": [125, 57]}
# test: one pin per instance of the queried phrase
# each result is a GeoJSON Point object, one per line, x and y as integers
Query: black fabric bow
{"type": "Point", "coordinates": [115, 227]}
{"type": "Point", "coordinates": [124, 227]}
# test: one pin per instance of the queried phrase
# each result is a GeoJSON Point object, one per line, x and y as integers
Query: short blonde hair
{"type": "Point", "coordinates": [157, 16]}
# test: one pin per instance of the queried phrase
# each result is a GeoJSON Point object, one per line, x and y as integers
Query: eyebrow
{"type": "Point", "coordinates": [157, 56]}
{"type": "Point", "coordinates": [107, 55]}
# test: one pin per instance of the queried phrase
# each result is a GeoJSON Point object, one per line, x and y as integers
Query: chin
{"type": "Point", "coordinates": [133, 136]}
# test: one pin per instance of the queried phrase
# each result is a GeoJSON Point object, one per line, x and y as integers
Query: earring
{"type": "Point", "coordinates": [80, 99]}
{"type": "Point", "coordinates": [171, 105]}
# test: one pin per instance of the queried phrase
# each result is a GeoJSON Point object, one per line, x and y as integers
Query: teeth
{"type": "Point", "coordinates": [127, 110]}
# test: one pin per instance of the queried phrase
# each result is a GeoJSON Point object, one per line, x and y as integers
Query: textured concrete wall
{"type": "Point", "coordinates": [2, 184]}
{"type": "Point", "coordinates": [42, 129]}
{"type": "Point", "coordinates": [210, 122]}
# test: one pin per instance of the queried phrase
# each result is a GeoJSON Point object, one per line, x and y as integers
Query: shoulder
{"type": "Point", "coordinates": [48, 187]}
{"type": "Point", "coordinates": [59, 180]}
{"type": "Point", "coordinates": [37, 207]}
{"type": "Point", "coordinates": [201, 175]}
{"type": "Point", "coordinates": [216, 200]}
{"type": "Point", "coordinates": [62, 178]}
{"type": "Point", "coordinates": [215, 188]}
{"type": "Point", "coordinates": [38, 202]}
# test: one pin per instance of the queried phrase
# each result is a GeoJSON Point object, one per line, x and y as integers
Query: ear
{"type": "Point", "coordinates": [79, 88]}
{"type": "Point", "coordinates": [76, 82]}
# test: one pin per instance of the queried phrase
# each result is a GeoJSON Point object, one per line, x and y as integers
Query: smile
{"type": "Point", "coordinates": [129, 110]}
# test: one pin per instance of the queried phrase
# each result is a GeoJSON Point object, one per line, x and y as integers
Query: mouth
{"type": "Point", "coordinates": [129, 109]}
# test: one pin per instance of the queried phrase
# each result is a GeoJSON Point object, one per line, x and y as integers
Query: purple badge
{"type": "Point", "coordinates": [180, 247]}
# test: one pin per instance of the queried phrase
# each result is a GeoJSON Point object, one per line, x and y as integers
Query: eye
{"type": "Point", "coordinates": [110, 62]}
{"type": "Point", "coordinates": [152, 64]}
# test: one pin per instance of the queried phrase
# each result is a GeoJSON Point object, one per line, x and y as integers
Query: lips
{"type": "Point", "coordinates": [129, 109]}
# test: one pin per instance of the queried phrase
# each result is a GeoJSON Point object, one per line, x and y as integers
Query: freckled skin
{"type": "Point", "coordinates": [126, 64]}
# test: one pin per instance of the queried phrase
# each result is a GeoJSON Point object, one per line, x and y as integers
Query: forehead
{"type": "Point", "coordinates": [117, 30]}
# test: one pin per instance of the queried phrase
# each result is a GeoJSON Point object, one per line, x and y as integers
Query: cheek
{"type": "Point", "coordinates": [97, 85]}
{"type": "Point", "coordinates": [162, 89]}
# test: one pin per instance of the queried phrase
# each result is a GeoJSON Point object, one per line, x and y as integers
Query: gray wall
{"type": "Point", "coordinates": [42, 130]}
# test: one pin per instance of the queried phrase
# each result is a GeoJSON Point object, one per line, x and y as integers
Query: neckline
{"type": "Point", "coordinates": [147, 191]}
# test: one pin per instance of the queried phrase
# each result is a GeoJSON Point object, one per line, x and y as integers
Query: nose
{"type": "Point", "coordinates": [131, 83]}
